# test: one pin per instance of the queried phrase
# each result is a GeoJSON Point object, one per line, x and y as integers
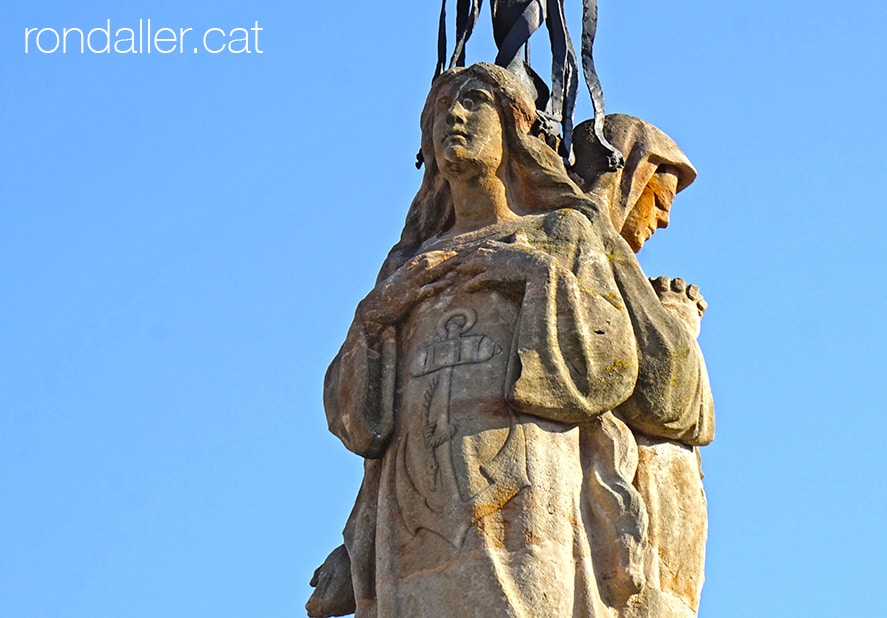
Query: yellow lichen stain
{"type": "Point", "coordinates": [587, 289]}
{"type": "Point", "coordinates": [682, 353]}
{"type": "Point", "coordinates": [614, 300]}
{"type": "Point", "coordinates": [618, 364]}
{"type": "Point", "coordinates": [612, 256]}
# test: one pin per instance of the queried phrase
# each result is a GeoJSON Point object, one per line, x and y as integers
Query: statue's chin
{"type": "Point", "coordinates": [636, 237]}
{"type": "Point", "coordinates": [455, 153]}
{"type": "Point", "coordinates": [635, 241]}
{"type": "Point", "coordinates": [457, 162]}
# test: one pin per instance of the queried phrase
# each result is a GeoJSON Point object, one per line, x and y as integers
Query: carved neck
{"type": "Point", "coordinates": [478, 202]}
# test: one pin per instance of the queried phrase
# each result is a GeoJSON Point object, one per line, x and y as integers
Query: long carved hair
{"type": "Point", "coordinates": [534, 174]}
{"type": "Point", "coordinates": [536, 182]}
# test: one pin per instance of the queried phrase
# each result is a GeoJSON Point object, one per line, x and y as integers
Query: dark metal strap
{"type": "Point", "coordinates": [564, 76]}
{"type": "Point", "coordinates": [529, 21]}
{"type": "Point", "coordinates": [560, 58]}
{"type": "Point", "coordinates": [589, 29]}
{"type": "Point", "coordinates": [467, 12]}
{"type": "Point", "coordinates": [441, 40]}
{"type": "Point", "coordinates": [564, 69]}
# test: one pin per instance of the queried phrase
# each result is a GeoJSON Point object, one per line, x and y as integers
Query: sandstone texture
{"type": "Point", "coordinates": [528, 404]}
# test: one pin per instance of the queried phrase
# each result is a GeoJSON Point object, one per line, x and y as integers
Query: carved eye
{"type": "Point", "coordinates": [474, 98]}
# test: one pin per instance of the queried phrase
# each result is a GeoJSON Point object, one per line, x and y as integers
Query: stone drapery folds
{"type": "Point", "coordinates": [527, 403]}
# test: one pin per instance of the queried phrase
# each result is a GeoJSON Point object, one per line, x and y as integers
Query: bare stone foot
{"type": "Point", "coordinates": [333, 592]}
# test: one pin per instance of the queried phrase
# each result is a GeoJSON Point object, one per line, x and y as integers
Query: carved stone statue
{"type": "Point", "coordinates": [668, 477]}
{"type": "Point", "coordinates": [514, 23]}
{"type": "Point", "coordinates": [527, 403]}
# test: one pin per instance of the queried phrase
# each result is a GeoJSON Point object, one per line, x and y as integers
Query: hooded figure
{"type": "Point", "coordinates": [495, 380]}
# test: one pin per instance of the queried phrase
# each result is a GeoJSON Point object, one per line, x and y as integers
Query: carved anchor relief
{"type": "Point", "coordinates": [455, 347]}
{"type": "Point", "coordinates": [452, 349]}
{"type": "Point", "coordinates": [427, 470]}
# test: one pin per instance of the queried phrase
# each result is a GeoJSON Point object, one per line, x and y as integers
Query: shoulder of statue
{"type": "Point", "coordinates": [567, 224]}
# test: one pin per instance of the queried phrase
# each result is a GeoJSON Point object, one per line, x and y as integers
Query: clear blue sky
{"type": "Point", "coordinates": [183, 239]}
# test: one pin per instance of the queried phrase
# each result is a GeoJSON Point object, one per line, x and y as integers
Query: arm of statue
{"type": "Point", "coordinates": [672, 398]}
{"type": "Point", "coordinates": [574, 350]}
{"type": "Point", "coordinates": [358, 394]}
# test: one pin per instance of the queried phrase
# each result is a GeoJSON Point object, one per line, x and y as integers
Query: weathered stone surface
{"type": "Point", "coordinates": [669, 480]}
{"type": "Point", "coordinates": [528, 404]}
{"type": "Point", "coordinates": [640, 194]}
{"type": "Point", "coordinates": [334, 595]}
{"type": "Point", "coordinates": [668, 477]}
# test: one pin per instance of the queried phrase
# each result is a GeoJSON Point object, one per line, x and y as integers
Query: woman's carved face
{"type": "Point", "coordinates": [467, 130]}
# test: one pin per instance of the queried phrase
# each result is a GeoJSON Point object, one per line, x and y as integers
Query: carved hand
{"type": "Point", "coordinates": [681, 300]}
{"type": "Point", "coordinates": [421, 277]}
{"type": "Point", "coordinates": [334, 592]}
{"type": "Point", "coordinates": [503, 265]}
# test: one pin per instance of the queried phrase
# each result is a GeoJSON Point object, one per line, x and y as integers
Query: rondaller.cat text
{"type": "Point", "coordinates": [146, 38]}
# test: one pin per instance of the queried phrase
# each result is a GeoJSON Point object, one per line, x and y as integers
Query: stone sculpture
{"type": "Point", "coordinates": [527, 403]}
{"type": "Point", "coordinates": [668, 476]}
{"type": "Point", "coordinates": [514, 23]}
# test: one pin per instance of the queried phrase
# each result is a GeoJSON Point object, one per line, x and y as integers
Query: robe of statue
{"type": "Point", "coordinates": [520, 425]}
{"type": "Point", "coordinates": [496, 476]}
{"type": "Point", "coordinates": [671, 411]}
{"type": "Point", "coordinates": [471, 412]}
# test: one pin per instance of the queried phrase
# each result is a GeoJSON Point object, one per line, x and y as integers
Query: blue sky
{"type": "Point", "coordinates": [183, 239]}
